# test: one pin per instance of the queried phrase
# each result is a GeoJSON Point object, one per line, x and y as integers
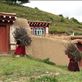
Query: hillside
{"type": "Point", "coordinates": [59, 24]}
{"type": "Point", "coordinates": [27, 69]}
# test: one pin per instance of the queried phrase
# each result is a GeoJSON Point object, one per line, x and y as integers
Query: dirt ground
{"type": "Point", "coordinates": [49, 47]}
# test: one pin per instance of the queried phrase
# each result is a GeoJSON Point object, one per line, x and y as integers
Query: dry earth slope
{"type": "Point", "coordinates": [43, 48]}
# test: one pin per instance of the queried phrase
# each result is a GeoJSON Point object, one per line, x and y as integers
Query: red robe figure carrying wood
{"type": "Point", "coordinates": [74, 57]}
{"type": "Point", "coordinates": [23, 40]}
{"type": "Point", "coordinates": [20, 49]}
{"type": "Point", "coordinates": [73, 64]}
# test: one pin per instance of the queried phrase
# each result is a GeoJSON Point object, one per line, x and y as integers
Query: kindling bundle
{"type": "Point", "coordinates": [20, 34]}
{"type": "Point", "coordinates": [72, 51]}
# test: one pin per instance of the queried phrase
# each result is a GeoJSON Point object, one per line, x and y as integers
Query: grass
{"type": "Point", "coordinates": [25, 69]}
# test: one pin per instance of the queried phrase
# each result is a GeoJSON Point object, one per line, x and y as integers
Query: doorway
{"type": "Point", "coordinates": [3, 39]}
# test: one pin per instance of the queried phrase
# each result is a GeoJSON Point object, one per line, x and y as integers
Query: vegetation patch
{"type": "Point", "coordinates": [27, 69]}
{"type": "Point", "coordinates": [59, 23]}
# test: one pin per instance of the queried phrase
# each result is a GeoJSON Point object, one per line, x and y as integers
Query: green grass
{"type": "Point", "coordinates": [25, 69]}
{"type": "Point", "coordinates": [59, 24]}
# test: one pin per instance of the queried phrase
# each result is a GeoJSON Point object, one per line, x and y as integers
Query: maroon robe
{"type": "Point", "coordinates": [73, 65]}
{"type": "Point", "coordinates": [20, 50]}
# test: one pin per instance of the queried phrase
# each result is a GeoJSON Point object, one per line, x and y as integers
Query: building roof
{"type": "Point", "coordinates": [4, 13]}
{"type": "Point", "coordinates": [8, 18]}
{"type": "Point", "coordinates": [76, 41]}
{"type": "Point", "coordinates": [38, 24]}
{"type": "Point", "coordinates": [76, 37]}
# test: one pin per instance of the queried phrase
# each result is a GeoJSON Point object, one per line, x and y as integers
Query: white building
{"type": "Point", "coordinates": [39, 28]}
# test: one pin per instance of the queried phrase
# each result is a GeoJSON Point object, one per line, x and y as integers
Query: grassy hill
{"type": "Point", "coordinates": [59, 24]}
{"type": "Point", "coordinates": [25, 69]}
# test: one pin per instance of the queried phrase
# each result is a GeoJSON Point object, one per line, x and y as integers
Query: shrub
{"type": "Point", "coordinates": [72, 51]}
{"type": "Point", "coordinates": [75, 20]}
{"type": "Point", "coordinates": [47, 60]}
{"type": "Point", "coordinates": [44, 79]}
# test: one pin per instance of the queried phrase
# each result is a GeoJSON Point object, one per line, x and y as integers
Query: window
{"type": "Point", "coordinates": [39, 31]}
